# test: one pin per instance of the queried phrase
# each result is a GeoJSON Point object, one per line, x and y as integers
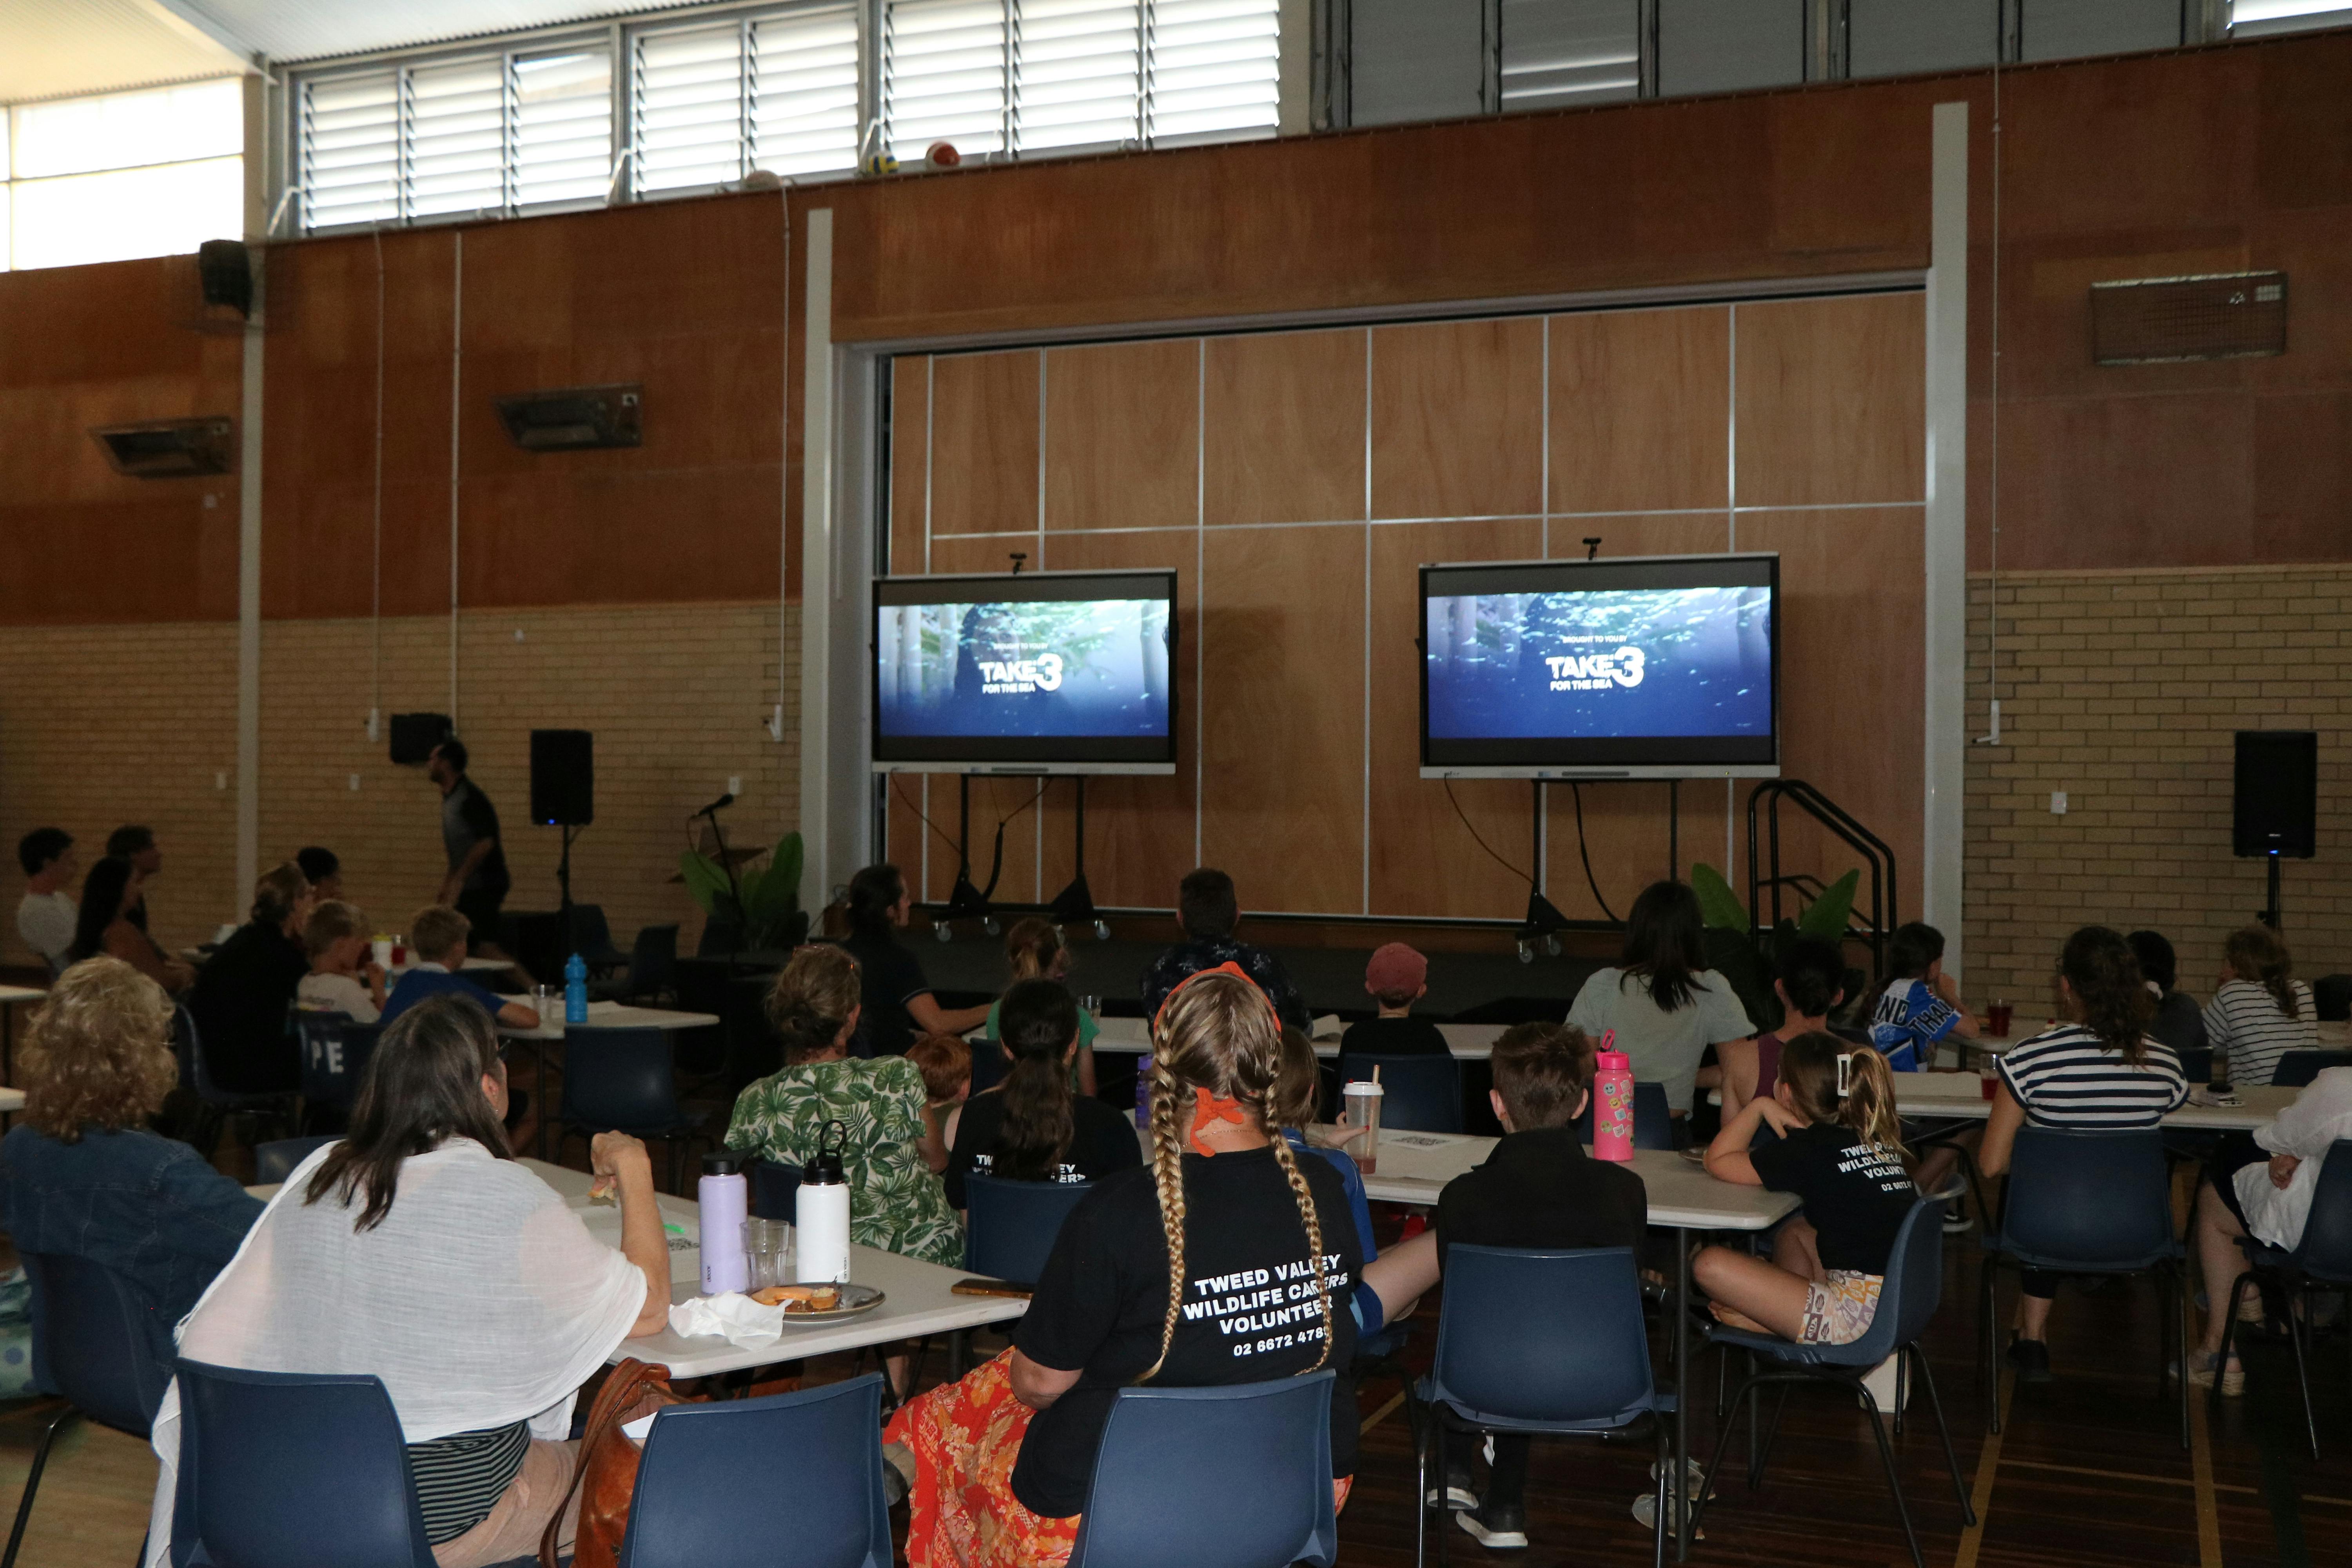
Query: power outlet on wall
{"type": "Point", "coordinates": [2057, 802]}
{"type": "Point", "coordinates": [355, 782]}
{"type": "Point", "coordinates": [734, 783]}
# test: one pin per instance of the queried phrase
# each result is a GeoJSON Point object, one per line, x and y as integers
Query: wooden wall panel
{"type": "Point", "coordinates": [1832, 401]}
{"type": "Point", "coordinates": [1424, 860]}
{"type": "Point", "coordinates": [1122, 435]}
{"type": "Point", "coordinates": [1285, 437]}
{"type": "Point", "coordinates": [1282, 708]}
{"type": "Point", "coordinates": [1139, 830]}
{"type": "Point", "coordinates": [985, 435]}
{"type": "Point", "coordinates": [910, 460]}
{"type": "Point", "coordinates": [1638, 404]}
{"type": "Point", "coordinates": [1457, 418]}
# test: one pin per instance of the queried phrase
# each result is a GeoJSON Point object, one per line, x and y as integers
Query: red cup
{"type": "Point", "coordinates": [1997, 1020]}
{"type": "Point", "coordinates": [1990, 1083]}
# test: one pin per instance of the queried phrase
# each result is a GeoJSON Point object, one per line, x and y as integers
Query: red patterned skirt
{"type": "Point", "coordinates": [962, 1513]}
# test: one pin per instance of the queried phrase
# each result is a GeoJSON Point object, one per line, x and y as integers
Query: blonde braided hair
{"type": "Point", "coordinates": [1217, 1031]}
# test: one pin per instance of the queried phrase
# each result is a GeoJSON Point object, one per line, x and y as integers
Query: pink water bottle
{"type": "Point", "coordinates": [1613, 1101]}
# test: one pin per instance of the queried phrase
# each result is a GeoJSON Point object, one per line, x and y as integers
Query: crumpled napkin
{"type": "Point", "coordinates": [732, 1315]}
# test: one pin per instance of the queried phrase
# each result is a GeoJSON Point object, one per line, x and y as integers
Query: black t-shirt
{"type": "Point", "coordinates": [1857, 1195]}
{"type": "Point", "coordinates": [888, 977]}
{"type": "Point", "coordinates": [1101, 1142]}
{"type": "Point", "coordinates": [1394, 1037]}
{"type": "Point", "coordinates": [1539, 1188]}
{"type": "Point", "coordinates": [239, 1004]}
{"type": "Point", "coordinates": [1251, 1307]}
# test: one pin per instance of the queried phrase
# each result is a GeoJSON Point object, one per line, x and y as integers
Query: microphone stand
{"type": "Point", "coordinates": [734, 886]}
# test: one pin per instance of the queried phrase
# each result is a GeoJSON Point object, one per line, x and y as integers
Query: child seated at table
{"type": "Point", "coordinates": [1031, 1127]}
{"type": "Point", "coordinates": [945, 1062]}
{"type": "Point", "coordinates": [1840, 1152]}
{"type": "Point", "coordinates": [1395, 979]}
{"type": "Point", "coordinates": [342, 978]}
{"type": "Point", "coordinates": [1919, 1007]}
{"type": "Point", "coordinates": [1296, 1095]}
{"type": "Point", "coordinates": [438, 933]}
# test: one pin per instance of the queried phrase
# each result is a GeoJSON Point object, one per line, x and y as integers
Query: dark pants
{"type": "Point", "coordinates": [1506, 1484]}
{"type": "Point", "coordinates": [480, 906]}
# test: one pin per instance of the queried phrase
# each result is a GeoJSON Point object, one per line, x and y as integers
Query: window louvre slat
{"type": "Point", "coordinates": [1560, 53]}
{"type": "Point", "coordinates": [688, 114]}
{"type": "Point", "coordinates": [562, 127]}
{"type": "Point", "coordinates": [456, 115]}
{"type": "Point", "coordinates": [945, 75]}
{"type": "Point", "coordinates": [1078, 74]}
{"type": "Point", "coordinates": [805, 92]}
{"type": "Point", "coordinates": [1215, 68]}
{"type": "Point", "coordinates": [351, 149]}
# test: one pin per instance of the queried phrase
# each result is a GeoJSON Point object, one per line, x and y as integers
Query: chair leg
{"type": "Point", "coordinates": [1989, 1349]}
{"type": "Point", "coordinates": [1658, 1514]}
{"type": "Point", "coordinates": [1759, 1454]}
{"type": "Point", "coordinates": [1421, 1501]}
{"type": "Point", "coordinates": [1902, 1389]}
{"type": "Point", "coordinates": [32, 1485]}
{"type": "Point", "coordinates": [2180, 1315]}
{"type": "Point", "coordinates": [1951, 1460]}
{"type": "Point", "coordinates": [1893, 1482]}
{"type": "Point", "coordinates": [2296, 1333]}
{"type": "Point", "coordinates": [1445, 1509]}
{"type": "Point", "coordinates": [1707, 1486]}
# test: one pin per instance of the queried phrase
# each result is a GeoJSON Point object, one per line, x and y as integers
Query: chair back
{"type": "Point", "coordinates": [1418, 1093]}
{"type": "Point", "coordinates": [1912, 1290]}
{"type": "Point", "coordinates": [94, 1340]}
{"type": "Point", "coordinates": [2197, 1065]}
{"type": "Point", "coordinates": [748, 1483]}
{"type": "Point", "coordinates": [990, 1062]}
{"type": "Point", "coordinates": [275, 1161]}
{"type": "Point", "coordinates": [592, 934]}
{"type": "Point", "coordinates": [776, 1191]}
{"type": "Point", "coordinates": [2326, 1249]}
{"type": "Point", "coordinates": [282, 1469]}
{"type": "Point", "coordinates": [618, 1078]}
{"type": "Point", "coordinates": [1583, 1359]}
{"type": "Point", "coordinates": [1012, 1224]}
{"type": "Point", "coordinates": [1654, 1118]}
{"type": "Point", "coordinates": [335, 1052]}
{"type": "Point", "coordinates": [2296, 1069]}
{"type": "Point", "coordinates": [2088, 1202]}
{"type": "Point", "coordinates": [653, 960]}
{"type": "Point", "coordinates": [1238, 1476]}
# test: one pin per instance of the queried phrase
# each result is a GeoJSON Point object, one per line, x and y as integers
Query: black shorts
{"type": "Point", "coordinates": [2234, 1154]}
{"type": "Point", "coordinates": [480, 906]}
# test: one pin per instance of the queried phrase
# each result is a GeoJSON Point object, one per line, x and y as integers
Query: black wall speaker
{"type": "Point", "coordinates": [414, 736]}
{"type": "Point", "coordinates": [2277, 798]}
{"type": "Point", "coordinates": [562, 778]}
{"type": "Point", "coordinates": [226, 272]}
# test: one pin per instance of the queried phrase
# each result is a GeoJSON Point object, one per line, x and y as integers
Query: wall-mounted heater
{"type": "Point", "coordinates": [168, 448]}
{"type": "Point", "coordinates": [573, 418]}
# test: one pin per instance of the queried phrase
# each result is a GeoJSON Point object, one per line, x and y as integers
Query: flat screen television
{"type": "Point", "coordinates": [1064, 672]}
{"type": "Point", "coordinates": [1647, 666]}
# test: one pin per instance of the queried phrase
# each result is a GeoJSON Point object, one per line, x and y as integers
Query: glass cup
{"type": "Point", "coordinates": [381, 949]}
{"type": "Point", "coordinates": [768, 1247]}
{"type": "Point", "coordinates": [399, 951]}
{"type": "Point", "coordinates": [1989, 1077]}
{"type": "Point", "coordinates": [548, 1001]}
{"type": "Point", "coordinates": [1997, 1019]}
{"type": "Point", "coordinates": [1362, 1100]}
{"type": "Point", "coordinates": [1093, 1005]}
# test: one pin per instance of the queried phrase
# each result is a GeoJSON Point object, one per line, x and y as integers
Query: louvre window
{"type": "Point", "coordinates": [804, 91]}
{"type": "Point", "coordinates": [1560, 53]}
{"type": "Point", "coordinates": [946, 75]}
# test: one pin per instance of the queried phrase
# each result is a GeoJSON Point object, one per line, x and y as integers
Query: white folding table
{"type": "Point", "coordinates": [1470, 1042]}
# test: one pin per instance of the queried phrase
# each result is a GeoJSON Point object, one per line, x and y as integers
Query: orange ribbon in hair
{"type": "Point", "coordinates": [1208, 1108]}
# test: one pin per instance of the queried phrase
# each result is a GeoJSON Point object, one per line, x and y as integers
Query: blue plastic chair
{"type": "Point", "coordinates": [2321, 1261]}
{"type": "Point", "coordinates": [274, 1161]}
{"type": "Point", "coordinates": [1549, 1343]}
{"type": "Point", "coordinates": [1914, 1287]}
{"type": "Point", "coordinates": [2088, 1202]}
{"type": "Point", "coordinates": [1237, 1476]}
{"type": "Point", "coordinates": [1418, 1093]}
{"type": "Point", "coordinates": [281, 1469]}
{"type": "Point", "coordinates": [2296, 1069]}
{"type": "Point", "coordinates": [94, 1339]}
{"type": "Point", "coordinates": [625, 1080]}
{"type": "Point", "coordinates": [335, 1051]}
{"type": "Point", "coordinates": [217, 1104]}
{"type": "Point", "coordinates": [1654, 1119]}
{"type": "Point", "coordinates": [748, 1483]}
{"type": "Point", "coordinates": [1011, 1225]}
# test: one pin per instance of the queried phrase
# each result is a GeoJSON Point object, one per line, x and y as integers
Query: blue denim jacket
{"type": "Point", "coordinates": [147, 1207]}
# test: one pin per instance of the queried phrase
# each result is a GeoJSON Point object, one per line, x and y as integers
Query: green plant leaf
{"type": "Point", "coordinates": [703, 879]}
{"type": "Point", "coordinates": [1718, 906]}
{"type": "Point", "coordinates": [1825, 917]}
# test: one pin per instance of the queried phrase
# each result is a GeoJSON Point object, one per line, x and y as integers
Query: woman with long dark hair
{"type": "Point", "coordinates": [417, 1250]}
{"type": "Point", "coordinates": [896, 998]}
{"type": "Point", "coordinates": [102, 925]}
{"type": "Point", "coordinates": [2098, 1069]}
{"type": "Point", "coordinates": [1031, 1127]}
{"type": "Point", "coordinates": [1662, 1001]}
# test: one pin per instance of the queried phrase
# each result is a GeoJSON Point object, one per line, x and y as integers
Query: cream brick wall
{"type": "Point", "coordinates": [2123, 689]}
{"type": "Point", "coordinates": [677, 696]}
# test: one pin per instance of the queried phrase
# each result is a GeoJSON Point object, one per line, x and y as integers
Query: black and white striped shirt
{"type": "Point", "coordinates": [460, 1477]}
{"type": "Point", "coordinates": [2244, 1020]}
{"type": "Point", "coordinates": [2067, 1076]}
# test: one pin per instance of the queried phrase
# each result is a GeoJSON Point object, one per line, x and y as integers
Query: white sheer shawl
{"type": "Point", "coordinates": [480, 1300]}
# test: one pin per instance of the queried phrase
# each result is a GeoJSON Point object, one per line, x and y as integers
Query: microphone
{"type": "Point", "coordinates": [724, 800]}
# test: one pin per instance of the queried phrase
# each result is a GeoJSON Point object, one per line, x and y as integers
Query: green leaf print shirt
{"type": "Point", "coordinates": [894, 1202]}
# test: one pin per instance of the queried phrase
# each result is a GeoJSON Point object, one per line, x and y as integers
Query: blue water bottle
{"type": "Point", "coordinates": [575, 990]}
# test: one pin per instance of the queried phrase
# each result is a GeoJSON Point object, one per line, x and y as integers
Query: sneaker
{"type": "Point", "coordinates": [1882, 1382]}
{"type": "Point", "coordinates": [1646, 1510]}
{"type": "Point", "coordinates": [2032, 1360]}
{"type": "Point", "coordinates": [1693, 1469]}
{"type": "Point", "coordinates": [2203, 1366]}
{"type": "Point", "coordinates": [1957, 1221]}
{"type": "Point", "coordinates": [1456, 1493]}
{"type": "Point", "coordinates": [1502, 1527]}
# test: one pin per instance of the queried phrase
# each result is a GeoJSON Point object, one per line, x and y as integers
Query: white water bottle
{"type": "Point", "coordinates": [725, 1197]}
{"type": "Point", "coordinates": [820, 1213]}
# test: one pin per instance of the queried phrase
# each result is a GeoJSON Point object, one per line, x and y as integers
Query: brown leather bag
{"type": "Point", "coordinates": [607, 1475]}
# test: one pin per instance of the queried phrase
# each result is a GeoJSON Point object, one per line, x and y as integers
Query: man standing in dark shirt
{"type": "Point", "coordinates": [477, 882]}
{"type": "Point", "coordinates": [1208, 909]}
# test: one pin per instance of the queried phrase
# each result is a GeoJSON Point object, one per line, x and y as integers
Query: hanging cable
{"type": "Point", "coordinates": [1576, 792]}
{"type": "Point", "coordinates": [1482, 844]}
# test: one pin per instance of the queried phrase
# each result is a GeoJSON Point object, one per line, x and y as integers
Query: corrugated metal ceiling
{"type": "Point", "coordinates": [297, 30]}
{"type": "Point", "coordinates": [59, 49]}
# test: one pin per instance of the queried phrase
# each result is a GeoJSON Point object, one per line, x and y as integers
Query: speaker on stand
{"type": "Point", "coordinates": [2275, 801]}
{"type": "Point", "coordinates": [563, 794]}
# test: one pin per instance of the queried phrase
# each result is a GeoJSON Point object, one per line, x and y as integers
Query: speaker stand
{"type": "Point", "coordinates": [564, 881]}
{"type": "Point", "coordinates": [966, 901]}
{"type": "Point", "coordinates": [1544, 922]}
{"type": "Point", "coordinates": [1075, 905]}
{"type": "Point", "coordinates": [2270, 915]}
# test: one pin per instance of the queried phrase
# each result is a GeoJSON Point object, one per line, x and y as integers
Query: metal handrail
{"type": "Point", "coordinates": [1877, 857]}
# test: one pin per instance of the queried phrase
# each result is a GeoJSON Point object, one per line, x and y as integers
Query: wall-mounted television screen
{"type": "Point", "coordinates": [1038, 672]}
{"type": "Point", "coordinates": [1664, 665]}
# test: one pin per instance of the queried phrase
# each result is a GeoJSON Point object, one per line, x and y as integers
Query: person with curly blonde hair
{"type": "Point", "coordinates": [82, 1175]}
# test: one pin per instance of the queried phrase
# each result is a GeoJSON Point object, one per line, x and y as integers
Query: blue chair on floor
{"type": "Point", "coordinates": [281, 1469]}
{"type": "Point", "coordinates": [1913, 1289]}
{"type": "Point", "coordinates": [1418, 1093]}
{"type": "Point", "coordinates": [215, 1104]}
{"type": "Point", "coordinates": [625, 1080]}
{"type": "Point", "coordinates": [2297, 1068]}
{"type": "Point", "coordinates": [335, 1051]}
{"type": "Point", "coordinates": [274, 1161]}
{"type": "Point", "coordinates": [94, 1339]}
{"type": "Point", "coordinates": [1654, 1119]}
{"type": "Point", "coordinates": [2088, 1202]}
{"type": "Point", "coordinates": [1010, 1227]}
{"type": "Point", "coordinates": [2319, 1263]}
{"type": "Point", "coordinates": [1579, 1366]}
{"type": "Point", "coordinates": [1236, 1477]}
{"type": "Point", "coordinates": [747, 1483]}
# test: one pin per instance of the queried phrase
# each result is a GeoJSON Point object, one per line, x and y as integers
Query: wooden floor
{"type": "Point", "coordinates": [2088, 1471]}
